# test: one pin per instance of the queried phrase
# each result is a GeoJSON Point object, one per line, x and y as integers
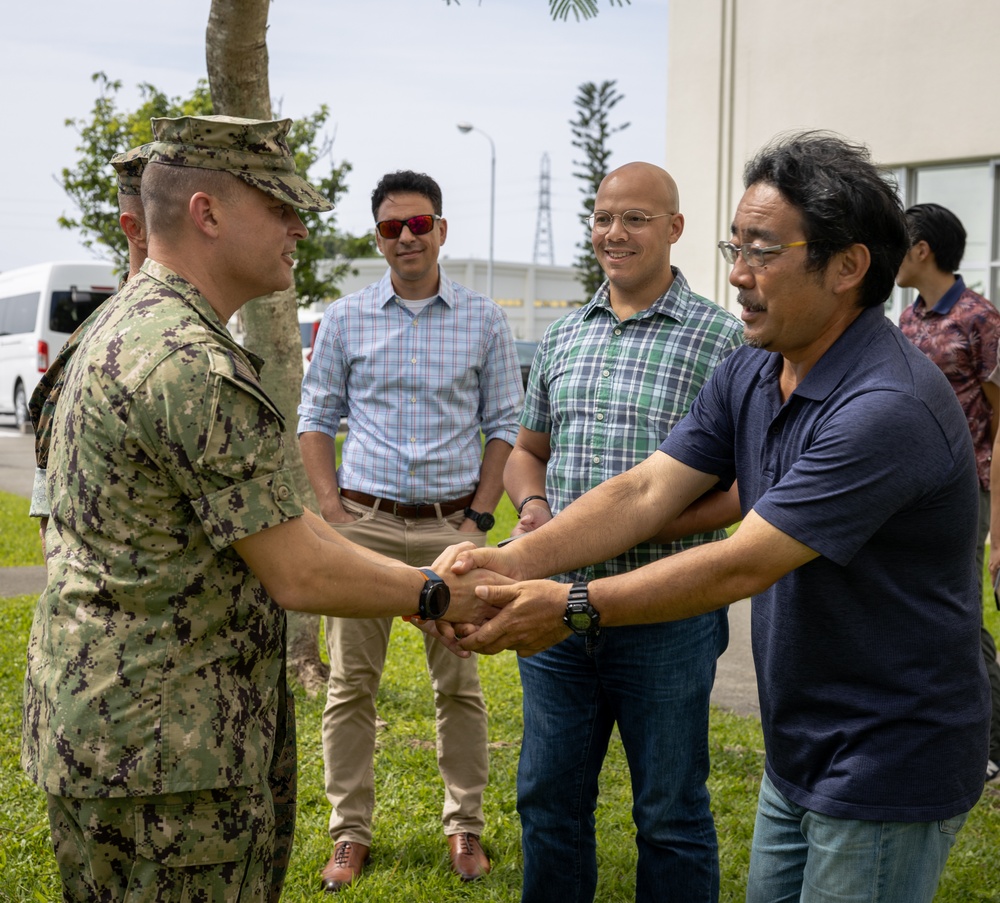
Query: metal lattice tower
{"type": "Point", "coordinates": [544, 252]}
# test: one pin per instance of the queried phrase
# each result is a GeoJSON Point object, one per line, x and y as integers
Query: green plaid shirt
{"type": "Point", "coordinates": [608, 392]}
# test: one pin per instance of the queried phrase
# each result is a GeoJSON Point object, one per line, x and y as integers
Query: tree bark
{"type": "Point", "coordinates": [237, 62]}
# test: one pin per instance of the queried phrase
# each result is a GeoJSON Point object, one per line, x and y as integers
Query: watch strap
{"type": "Point", "coordinates": [429, 577]}
{"type": "Point", "coordinates": [483, 520]}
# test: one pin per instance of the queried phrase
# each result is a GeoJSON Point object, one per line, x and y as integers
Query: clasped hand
{"type": "Point", "coordinates": [525, 616]}
{"type": "Point", "coordinates": [467, 607]}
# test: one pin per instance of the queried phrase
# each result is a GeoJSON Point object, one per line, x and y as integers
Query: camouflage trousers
{"type": "Point", "coordinates": [283, 779]}
{"type": "Point", "coordinates": [213, 846]}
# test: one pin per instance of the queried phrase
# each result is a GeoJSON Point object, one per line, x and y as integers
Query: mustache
{"type": "Point", "coordinates": [746, 303]}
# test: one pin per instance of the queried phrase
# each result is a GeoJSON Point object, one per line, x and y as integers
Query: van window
{"type": "Point", "coordinates": [17, 314]}
{"type": "Point", "coordinates": [70, 309]}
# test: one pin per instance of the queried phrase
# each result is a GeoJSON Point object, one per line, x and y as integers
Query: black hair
{"type": "Point", "coordinates": [843, 198]}
{"type": "Point", "coordinates": [943, 232]}
{"type": "Point", "coordinates": [405, 181]}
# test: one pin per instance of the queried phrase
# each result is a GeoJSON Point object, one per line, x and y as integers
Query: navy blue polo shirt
{"type": "Point", "coordinates": [874, 699]}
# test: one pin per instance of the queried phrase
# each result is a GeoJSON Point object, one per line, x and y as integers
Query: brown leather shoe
{"type": "Point", "coordinates": [468, 859]}
{"type": "Point", "coordinates": [345, 865]}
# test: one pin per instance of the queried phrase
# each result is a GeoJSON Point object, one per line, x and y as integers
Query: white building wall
{"type": "Point", "coordinates": [912, 79]}
{"type": "Point", "coordinates": [532, 295]}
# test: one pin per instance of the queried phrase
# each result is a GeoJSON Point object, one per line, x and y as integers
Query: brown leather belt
{"type": "Point", "coordinates": [401, 510]}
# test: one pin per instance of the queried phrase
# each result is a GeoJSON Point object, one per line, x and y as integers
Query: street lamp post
{"type": "Point", "coordinates": [465, 128]}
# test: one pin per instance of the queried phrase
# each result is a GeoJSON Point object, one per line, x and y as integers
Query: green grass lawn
{"type": "Point", "coordinates": [409, 854]}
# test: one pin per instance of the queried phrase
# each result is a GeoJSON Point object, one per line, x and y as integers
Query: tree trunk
{"type": "Point", "coordinates": [237, 61]}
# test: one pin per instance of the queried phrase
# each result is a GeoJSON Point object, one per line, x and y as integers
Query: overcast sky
{"type": "Point", "coordinates": [398, 75]}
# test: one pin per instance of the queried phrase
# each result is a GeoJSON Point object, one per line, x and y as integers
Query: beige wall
{"type": "Point", "coordinates": [913, 79]}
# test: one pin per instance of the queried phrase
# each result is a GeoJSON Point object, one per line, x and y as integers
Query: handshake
{"type": "Point", "coordinates": [492, 608]}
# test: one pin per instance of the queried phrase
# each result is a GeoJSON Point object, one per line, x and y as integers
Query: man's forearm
{"type": "Point", "coordinates": [524, 475]}
{"type": "Point", "coordinates": [319, 457]}
{"type": "Point", "coordinates": [490, 486]}
{"type": "Point", "coordinates": [713, 511]}
{"type": "Point", "coordinates": [610, 518]}
{"type": "Point", "coordinates": [327, 533]}
{"type": "Point", "coordinates": [679, 586]}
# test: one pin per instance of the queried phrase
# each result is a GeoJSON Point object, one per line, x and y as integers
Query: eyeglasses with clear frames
{"type": "Point", "coordinates": [752, 255]}
{"type": "Point", "coordinates": [632, 220]}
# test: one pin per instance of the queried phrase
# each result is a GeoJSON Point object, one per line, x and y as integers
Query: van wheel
{"type": "Point", "coordinates": [21, 418]}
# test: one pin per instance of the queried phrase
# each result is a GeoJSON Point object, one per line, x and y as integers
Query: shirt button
{"type": "Point", "coordinates": [618, 332]}
{"type": "Point", "coordinates": [413, 438]}
{"type": "Point", "coordinates": [605, 373]}
{"type": "Point", "coordinates": [283, 493]}
{"type": "Point", "coordinates": [597, 459]}
{"type": "Point", "coordinates": [413, 360]}
{"type": "Point", "coordinates": [600, 416]}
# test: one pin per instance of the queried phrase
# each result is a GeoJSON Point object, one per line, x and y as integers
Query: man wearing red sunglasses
{"type": "Point", "coordinates": [424, 370]}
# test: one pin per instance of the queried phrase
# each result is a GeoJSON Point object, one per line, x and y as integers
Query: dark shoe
{"type": "Point", "coordinates": [468, 859]}
{"type": "Point", "coordinates": [345, 865]}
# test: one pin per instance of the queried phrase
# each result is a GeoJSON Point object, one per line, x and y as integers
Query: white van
{"type": "Point", "coordinates": [40, 307]}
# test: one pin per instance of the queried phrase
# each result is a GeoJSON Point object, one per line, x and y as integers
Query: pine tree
{"type": "Point", "coordinates": [591, 131]}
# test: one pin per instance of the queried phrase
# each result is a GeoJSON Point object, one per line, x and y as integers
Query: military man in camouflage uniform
{"type": "Point", "coordinates": [151, 710]}
{"type": "Point", "coordinates": [128, 170]}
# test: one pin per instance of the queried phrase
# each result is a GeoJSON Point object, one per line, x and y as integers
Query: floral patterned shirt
{"type": "Point", "coordinates": [960, 335]}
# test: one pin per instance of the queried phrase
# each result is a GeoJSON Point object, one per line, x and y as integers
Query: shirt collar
{"type": "Point", "coordinates": [842, 355]}
{"type": "Point", "coordinates": [384, 292]}
{"type": "Point", "coordinates": [673, 303]}
{"type": "Point", "coordinates": [946, 302]}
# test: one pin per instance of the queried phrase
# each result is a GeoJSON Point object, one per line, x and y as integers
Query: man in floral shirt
{"type": "Point", "coordinates": [958, 330]}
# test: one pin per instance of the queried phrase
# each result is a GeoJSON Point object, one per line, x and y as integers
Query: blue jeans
{"type": "Point", "coordinates": [801, 855]}
{"type": "Point", "coordinates": [655, 681]}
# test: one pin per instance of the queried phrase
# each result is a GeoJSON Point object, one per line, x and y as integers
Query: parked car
{"type": "Point", "coordinates": [40, 306]}
{"type": "Point", "coordinates": [525, 355]}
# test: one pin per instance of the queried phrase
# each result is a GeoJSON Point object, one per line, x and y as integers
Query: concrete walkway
{"type": "Point", "coordinates": [17, 470]}
{"type": "Point", "coordinates": [735, 681]}
{"type": "Point", "coordinates": [21, 581]}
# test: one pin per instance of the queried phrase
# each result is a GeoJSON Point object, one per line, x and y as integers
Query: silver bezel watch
{"type": "Point", "coordinates": [581, 617]}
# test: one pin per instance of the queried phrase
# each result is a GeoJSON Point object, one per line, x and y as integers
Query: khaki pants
{"type": "Point", "coordinates": [357, 650]}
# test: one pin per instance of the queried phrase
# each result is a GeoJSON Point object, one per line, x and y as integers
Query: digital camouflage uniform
{"type": "Point", "coordinates": [128, 171]}
{"type": "Point", "coordinates": [154, 695]}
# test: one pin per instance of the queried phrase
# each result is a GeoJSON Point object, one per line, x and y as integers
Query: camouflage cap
{"type": "Point", "coordinates": [129, 167]}
{"type": "Point", "coordinates": [253, 150]}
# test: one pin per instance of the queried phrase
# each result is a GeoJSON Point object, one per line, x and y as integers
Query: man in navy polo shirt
{"type": "Point", "coordinates": [866, 612]}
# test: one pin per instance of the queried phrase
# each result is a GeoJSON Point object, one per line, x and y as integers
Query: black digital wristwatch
{"type": "Point", "coordinates": [484, 521]}
{"type": "Point", "coordinates": [581, 617]}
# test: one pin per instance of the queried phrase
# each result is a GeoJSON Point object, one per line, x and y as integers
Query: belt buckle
{"type": "Point", "coordinates": [395, 505]}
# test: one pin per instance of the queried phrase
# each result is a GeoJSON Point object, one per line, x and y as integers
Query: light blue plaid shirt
{"type": "Point", "coordinates": [416, 391]}
{"type": "Point", "coordinates": [608, 392]}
